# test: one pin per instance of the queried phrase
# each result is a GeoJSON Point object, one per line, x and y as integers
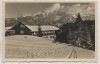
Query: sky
{"type": "Point", "coordinates": [18, 9]}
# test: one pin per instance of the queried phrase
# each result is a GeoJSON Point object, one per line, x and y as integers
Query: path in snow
{"type": "Point", "coordinates": [20, 46]}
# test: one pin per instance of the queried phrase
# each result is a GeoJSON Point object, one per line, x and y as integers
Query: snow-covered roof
{"type": "Point", "coordinates": [35, 27]}
{"type": "Point", "coordinates": [7, 28]}
{"type": "Point", "coordinates": [43, 28]}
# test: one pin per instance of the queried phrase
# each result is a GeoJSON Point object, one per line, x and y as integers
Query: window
{"type": "Point", "coordinates": [21, 32]}
{"type": "Point", "coordinates": [22, 26]}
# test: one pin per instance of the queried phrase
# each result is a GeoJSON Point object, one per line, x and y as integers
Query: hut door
{"type": "Point", "coordinates": [22, 32]}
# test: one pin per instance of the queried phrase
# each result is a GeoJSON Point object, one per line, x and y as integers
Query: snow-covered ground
{"type": "Point", "coordinates": [27, 46]}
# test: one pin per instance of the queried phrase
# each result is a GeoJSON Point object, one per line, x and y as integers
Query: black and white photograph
{"type": "Point", "coordinates": [62, 30]}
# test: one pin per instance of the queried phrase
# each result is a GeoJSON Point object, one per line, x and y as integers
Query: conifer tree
{"type": "Point", "coordinates": [40, 34]}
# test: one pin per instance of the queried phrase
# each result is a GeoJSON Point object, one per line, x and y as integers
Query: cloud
{"type": "Point", "coordinates": [54, 7]}
{"type": "Point", "coordinates": [74, 16]}
{"type": "Point", "coordinates": [79, 8]}
{"type": "Point", "coordinates": [74, 9]}
{"type": "Point", "coordinates": [83, 9]}
{"type": "Point", "coordinates": [24, 14]}
{"type": "Point", "coordinates": [51, 9]}
{"type": "Point", "coordinates": [89, 8]}
{"type": "Point", "coordinates": [57, 18]}
{"type": "Point", "coordinates": [37, 13]}
{"type": "Point", "coordinates": [77, 5]}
